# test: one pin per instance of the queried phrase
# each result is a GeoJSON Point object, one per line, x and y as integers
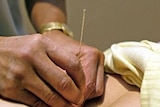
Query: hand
{"type": "Point", "coordinates": [93, 66]}
{"type": "Point", "coordinates": [29, 73]}
{"type": "Point", "coordinates": [92, 61]}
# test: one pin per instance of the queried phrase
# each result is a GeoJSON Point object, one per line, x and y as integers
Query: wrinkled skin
{"type": "Point", "coordinates": [92, 61]}
{"type": "Point", "coordinates": [47, 70]}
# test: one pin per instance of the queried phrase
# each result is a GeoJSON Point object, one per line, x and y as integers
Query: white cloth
{"type": "Point", "coordinates": [139, 64]}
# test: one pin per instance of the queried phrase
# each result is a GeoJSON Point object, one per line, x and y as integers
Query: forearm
{"type": "Point", "coordinates": [45, 11]}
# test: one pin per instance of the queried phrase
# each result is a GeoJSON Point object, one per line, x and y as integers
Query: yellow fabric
{"type": "Point", "coordinates": [139, 64]}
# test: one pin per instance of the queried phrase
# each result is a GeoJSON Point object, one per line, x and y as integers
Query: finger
{"type": "Point", "coordinates": [58, 79]}
{"type": "Point", "coordinates": [28, 98]}
{"type": "Point", "coordinates": [90, 67]}
{"type": "Point", "coordinates": [70, 63]}
{"type": "Point", "coordinates": [100, 79]}
{"type": "Point", "coordinates": [43, 92]}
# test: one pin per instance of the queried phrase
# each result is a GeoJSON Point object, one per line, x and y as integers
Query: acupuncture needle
{"type": "Point", "coordinates": [82, 31]}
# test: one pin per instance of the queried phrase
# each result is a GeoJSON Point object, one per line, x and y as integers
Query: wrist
{"type": "Point", "coordinates": [53, 33]}
{"type": "Point", "coordinates": [56, 26]}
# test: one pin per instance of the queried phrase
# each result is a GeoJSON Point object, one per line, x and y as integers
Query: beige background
{"type": "Point", "coordinates": [112, 21]}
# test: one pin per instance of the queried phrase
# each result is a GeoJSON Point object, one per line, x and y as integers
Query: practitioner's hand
{"type": "Point", "coordinates": [29, 73]}
{"type": "Point", "coordinates": [92, 61]}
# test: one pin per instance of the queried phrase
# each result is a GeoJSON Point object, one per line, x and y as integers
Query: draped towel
{"type": "Point", "coordinates": [139, 64]}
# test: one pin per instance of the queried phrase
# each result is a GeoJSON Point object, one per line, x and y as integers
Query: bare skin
{"type": "Point", "coordinates": [44, 11]}
{"type": "Point", "coordinates": [27, 64]}
{"type": "Point", "coordinates": [24, 59]}
{"type": "Point", "coordinates": [117, 94]}
{"type": "Point", "coordinates": [40, 69]}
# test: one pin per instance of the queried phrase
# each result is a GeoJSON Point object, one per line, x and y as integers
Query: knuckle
{"type": "Point", "coordinates": [33, 45]}
{"type": "Point", "coordinates": [14, 81]}
{"type": "Point", "coordinates": [18, 72]}
{"type": "Point", "coordinates": [78, 99]}
{"type": "Point", "coordinates": [27, 51]}
{"type": "Point", "coordinates": [38, 103]}
{"type": "Point", "coordinates": [74, 64]}
{"type": "Point", "coordinates": [65, 83]}
{"type": "Point", "coordinates": [51, 97]}
{"type": "Point", "coordinates": [91, 86]}
{"type": "Point", "coordinates": [93, 51]}
{"type": "Point", "coordinates": [38, 38]}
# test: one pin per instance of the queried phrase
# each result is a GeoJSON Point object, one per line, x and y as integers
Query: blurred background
{"type": "Point", "coordinates": [113, 21]}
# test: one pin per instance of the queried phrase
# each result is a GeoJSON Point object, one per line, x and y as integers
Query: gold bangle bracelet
{"type": "Point", "coordinates": [56, 26]}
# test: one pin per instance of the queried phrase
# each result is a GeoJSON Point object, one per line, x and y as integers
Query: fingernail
{"type": "Point", "coordinates": [74, 105]}
{"type": "Point", "coordinates": [81, 100]}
